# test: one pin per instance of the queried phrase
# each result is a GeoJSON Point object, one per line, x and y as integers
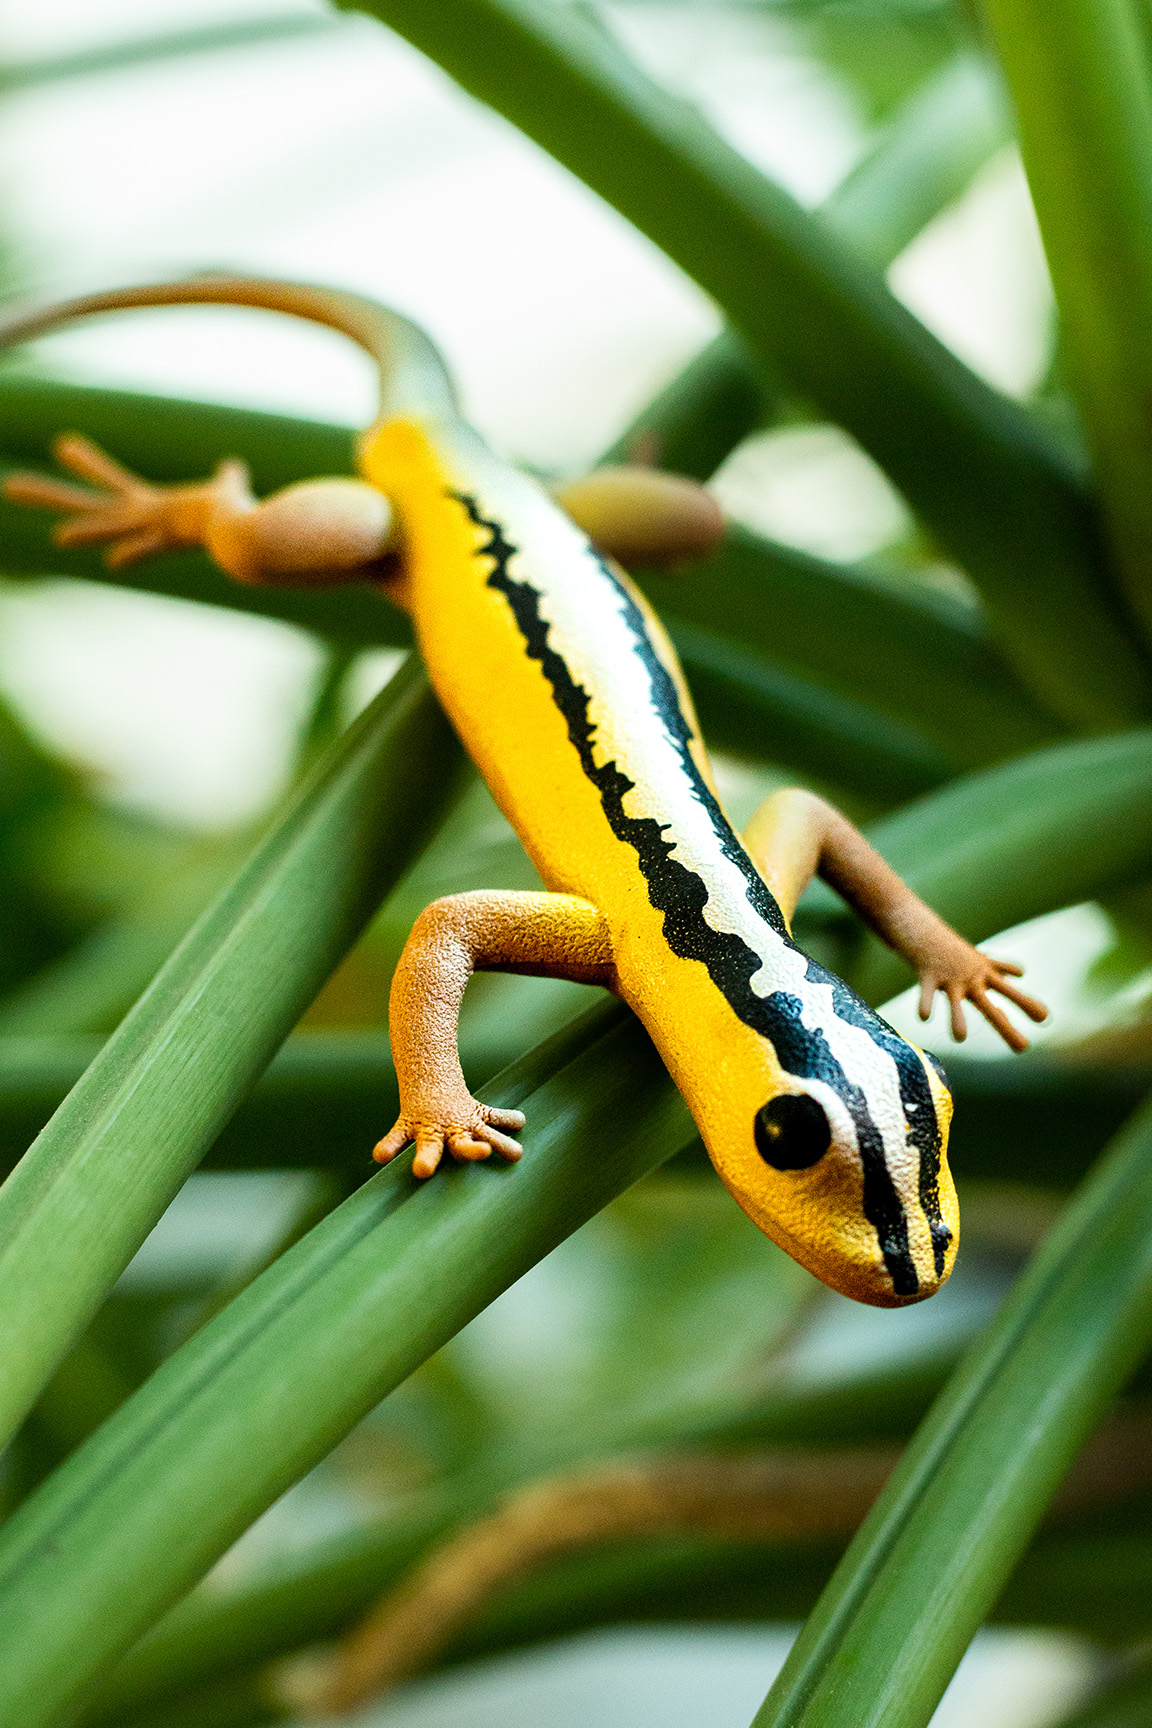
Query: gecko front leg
{"type": "Point", "coordinates": [329, 530]}
{"type": "Point", "coordinates": [544, 935]}
{"type": "Point", "coordinates": [795, 835]}
{"type": "Point", "coordinates": [336, 529]}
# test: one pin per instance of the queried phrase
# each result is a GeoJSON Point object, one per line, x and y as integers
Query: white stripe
{"type": "Point", "coordinates": [587, 628]}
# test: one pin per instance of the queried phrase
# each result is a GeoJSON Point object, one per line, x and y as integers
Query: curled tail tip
{"type": "Point", "coordinates": [411, 369]}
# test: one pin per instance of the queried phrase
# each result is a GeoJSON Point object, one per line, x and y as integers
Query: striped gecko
{"type": "Point", "coordinates": [827, 1126]}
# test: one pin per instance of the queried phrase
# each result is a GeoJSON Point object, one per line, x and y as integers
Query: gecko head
{"type": "Point", "coordinates": [845, 1165]}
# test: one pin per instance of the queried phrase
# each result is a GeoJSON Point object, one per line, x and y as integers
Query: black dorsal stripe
{"type": "Point", "coordinates": [681, 895]}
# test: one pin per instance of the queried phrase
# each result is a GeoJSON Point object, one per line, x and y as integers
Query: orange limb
{"type": "Point", "coordinates": [795, 835]}
{"type": "Point", "coordinates": [332, 530]}
{"type": "Point", "coordinates": [544, 935]}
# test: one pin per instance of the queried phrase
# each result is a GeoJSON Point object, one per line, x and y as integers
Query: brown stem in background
{"type": "Point", "coordinates": [780, 1496]}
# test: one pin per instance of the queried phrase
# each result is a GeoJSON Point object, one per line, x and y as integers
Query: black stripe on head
{"type": "Point", "coordinates": [681, 895]}
{"type": "Point", "coordinates": [915, 1095]}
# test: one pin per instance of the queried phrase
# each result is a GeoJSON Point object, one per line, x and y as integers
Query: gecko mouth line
{"type": "Point", "coordinates": [681, 895]}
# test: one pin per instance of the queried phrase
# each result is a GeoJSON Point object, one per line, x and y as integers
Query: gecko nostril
{"type": "Point", "coordinates": [792, 1132]}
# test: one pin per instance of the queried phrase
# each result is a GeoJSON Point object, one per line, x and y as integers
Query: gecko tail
{"type": "Point", "coordinates": [413, 377]}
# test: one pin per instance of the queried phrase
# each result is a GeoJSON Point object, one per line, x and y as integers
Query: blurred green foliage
{"type": "Point", "coordinates": [290, 1322]}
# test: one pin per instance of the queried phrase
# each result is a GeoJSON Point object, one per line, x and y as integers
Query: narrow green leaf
{"type": "Point", "coordinates": [917, 657]}
{"type": "Point", "coordinates": [755, 707]}
{"type": "Point", "coordinates": [880, 51]}
{"type": "Point", "coordinates": [88, 1385]}
{"type": "Point", "coordinates": [324, 720]}
{"type": "Point", "coordinates": [34, 790]}
{"type": "Point", "coordinates": [29, 776]}
{"type": "Point", "coordinates": [937, 1549]}
{"type": "Point", "coordinates": [1082, 85]}
{"type": "Point", "coordinates": [241, 1701]}
{"type": "Point", "coordinates": [1096, 1581]}
{"type": "Point", "coordinates": [1055, 1116]}
{"type": "Point", "coordinates": [673, 1580]}
{"type": "Point", "coordinates": [93, 984]}
{"type": "Point", "coordinates": [914, 659]}
{"type": "Point", "coordinates": [680, 1579]}
{"type": "Point", "coordinates": [165, 437]}
{"type": "Point", "coordinates": [263, 1391]}
{"type": "Point", "coordinates": [306, 1597]}
{"type": "Point", "coordinates": [320, 1102]}
{"type": "Point", "coordinates": [1019, 524]}
{"type": "Point", "coordinates": [79, 1204]}
{"type": "Point", "coordinates": [316, 1592]}
{"type": "Point", "coordinates": [924, 158]}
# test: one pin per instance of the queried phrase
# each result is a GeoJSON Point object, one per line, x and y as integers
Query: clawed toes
{"type": "Point", "coordinates": [470, 1150]}
{"type": "Point", "coordinates": [468, 1145]}
{"type": "Point", "coordinates": [385, 1150]}
{"type": "Point", "coordinates": [504, 1118]}
{"type": "Point", "coordinates": [502, 1143]}
{"type": "Point", "coordinates": [427, 1159]}
{"type": "Point", "coordinates": [117, 508]}
{"type": "Point", "coordinates": [86, 458]}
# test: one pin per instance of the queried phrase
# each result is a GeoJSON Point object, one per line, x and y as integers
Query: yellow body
{"type": "Point", "coordinates": [828, 1127]}
{"type": "Point", "coordinates": [557, 677]}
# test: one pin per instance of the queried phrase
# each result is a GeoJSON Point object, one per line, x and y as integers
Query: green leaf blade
{"type": "Point", "coordinates": [81, 1201]}
{"type": "Point", "coordinates": [1020, 524]}
{"type": "Point", "coordinates": [885, 644]}
{"type": "Point", "coordinates": [933, 1555]}
{"type": "Point", "coordinates": [1082, 85]}
{"type": "Point", "coordinates": [266, 1389]}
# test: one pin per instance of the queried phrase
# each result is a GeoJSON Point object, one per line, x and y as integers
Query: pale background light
{"type": "Point", "coordinates": [343, 156]}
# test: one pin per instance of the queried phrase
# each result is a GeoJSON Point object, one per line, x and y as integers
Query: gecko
{"type": "Point", "coordinates": [827, 1126]}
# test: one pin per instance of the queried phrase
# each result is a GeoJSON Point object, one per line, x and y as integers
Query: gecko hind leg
{"type": "Point", "coordinates": [545, 935]}
{"type": "Point", "coordinates": [337, 529]}
{"type": "Point", "coordinates": [795, 835]}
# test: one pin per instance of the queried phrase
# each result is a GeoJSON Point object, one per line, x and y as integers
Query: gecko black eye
{"type": "Point", "coordinates": [792, 1132]}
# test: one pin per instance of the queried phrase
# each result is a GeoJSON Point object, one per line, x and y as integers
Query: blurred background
{"type": "Point", "coordinates": [148, 138]}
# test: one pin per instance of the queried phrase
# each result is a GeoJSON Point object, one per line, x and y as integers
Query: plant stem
{"type": "Point", "coordinates": [699, 418]}
{"type": "Point", "coordinates": [867, 635]}
{"type": "Point", "coordinates": [923, 159]}
{"type": "Point", "coordinates": [755, 706]}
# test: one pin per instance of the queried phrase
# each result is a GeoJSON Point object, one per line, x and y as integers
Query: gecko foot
{"type": "Point", "coordinates": [467, 1129]}
{"type": "Point", "coordinates": [964, 974]}
{"type": "Point", "coordinates": [131, 516]}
